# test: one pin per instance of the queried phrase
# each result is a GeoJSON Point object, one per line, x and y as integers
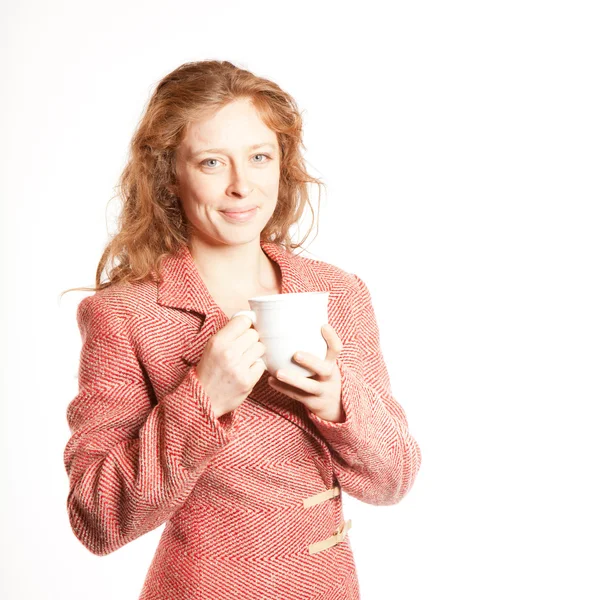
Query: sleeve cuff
{"type": "Point", "coordinates": [345, 435]}
{"type": "Point", "coordinates": [190, 409]}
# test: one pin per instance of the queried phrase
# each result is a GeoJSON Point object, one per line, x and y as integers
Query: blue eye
{"type": "Point", "coordinates": [216, 160]}
{"type": "Point", "coordinates": [263, 155]}
{"type": "Point", "coordinates": [209, 159]}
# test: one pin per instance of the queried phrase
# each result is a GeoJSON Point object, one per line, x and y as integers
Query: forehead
{"type": "Point", "coordinates": [236, 125]}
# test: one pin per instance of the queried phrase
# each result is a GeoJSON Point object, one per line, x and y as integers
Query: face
{"type": "Point", "coordinates": [228, 162]}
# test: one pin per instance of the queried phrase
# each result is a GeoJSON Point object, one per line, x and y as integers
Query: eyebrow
{"type": "Point", "coordinates": [253, 147]}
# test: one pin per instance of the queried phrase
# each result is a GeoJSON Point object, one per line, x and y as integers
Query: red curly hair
{"type": "Point", "coordinates": [152, 223]}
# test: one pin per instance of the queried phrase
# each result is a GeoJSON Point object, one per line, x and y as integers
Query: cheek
{"type": "Point", "coordinates": [195, 206]}
{"type": "Point", "coordinates": [200, 192]}
{"type": "Point", "coordinates": [272, 187]}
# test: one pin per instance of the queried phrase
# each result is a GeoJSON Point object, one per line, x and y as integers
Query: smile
{"type": "Point", "coordinates": [239, 217]}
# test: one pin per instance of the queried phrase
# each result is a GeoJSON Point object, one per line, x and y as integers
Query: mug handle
{"type": "Point", "coordinates": [249, 313]}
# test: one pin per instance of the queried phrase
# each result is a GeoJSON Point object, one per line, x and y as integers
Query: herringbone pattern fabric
{"type": "Point", "coordinates": [147, 449]}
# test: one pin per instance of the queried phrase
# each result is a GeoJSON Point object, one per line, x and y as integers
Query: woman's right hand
{"type": "Point", "coordinates": [230, 365]}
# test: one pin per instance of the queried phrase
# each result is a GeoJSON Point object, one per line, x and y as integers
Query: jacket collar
{"type": "Point", "coordinates": [182, 287]}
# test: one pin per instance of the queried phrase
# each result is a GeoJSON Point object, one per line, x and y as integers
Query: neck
{"type": "Point", "coordinates": [239, 267]}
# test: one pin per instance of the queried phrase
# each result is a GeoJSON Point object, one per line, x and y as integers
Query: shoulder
{"type": "Point", "coordinates": [115, 304]}
{"type": "Point", "coordinates": [347, 289]}
{"type": "Point", "coordinates": [328, 275]}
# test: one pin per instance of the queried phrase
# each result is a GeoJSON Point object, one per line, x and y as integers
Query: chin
{"type": "Point", "coordinates": [243, 235]}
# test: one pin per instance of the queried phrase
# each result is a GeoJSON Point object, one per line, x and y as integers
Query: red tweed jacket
{"type": "Point", "coordinates": [252, 501]}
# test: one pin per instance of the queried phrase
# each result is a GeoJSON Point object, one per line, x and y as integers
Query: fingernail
{"type": "Point", "coordinates": [299, 356]}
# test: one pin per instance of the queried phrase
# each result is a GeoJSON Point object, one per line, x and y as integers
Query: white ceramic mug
{"type": "Point", "coordinates": [287, 323]}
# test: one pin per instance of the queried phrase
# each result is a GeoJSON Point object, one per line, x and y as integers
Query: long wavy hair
{"type": "Point", "coordinates": [151, 223]}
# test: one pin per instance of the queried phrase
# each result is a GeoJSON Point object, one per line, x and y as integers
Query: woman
{"type": "Point", "coordinates": [175, 421]}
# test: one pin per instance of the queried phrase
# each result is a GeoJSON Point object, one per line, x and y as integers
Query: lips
{"type": "Point", "coordinates": [238, 210]}
{"type": "Point", "coordinates": [239, 216]}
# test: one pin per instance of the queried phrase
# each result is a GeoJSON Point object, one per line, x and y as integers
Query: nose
{"type": "Point", "coordinates": [240, 184]}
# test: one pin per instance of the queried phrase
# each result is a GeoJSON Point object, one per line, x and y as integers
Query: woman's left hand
{"type": "Point", "coordinates": [320, 393]}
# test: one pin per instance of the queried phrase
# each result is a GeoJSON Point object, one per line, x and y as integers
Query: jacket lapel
{"type": "Point", "coordinates": [182, 287]}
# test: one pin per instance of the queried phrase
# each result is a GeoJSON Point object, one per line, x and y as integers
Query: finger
{"type": "Point", "coordinates": [252, 354]}
{"type": "Point", "coordinates": [240, 335]}
{"type": "Point", "coordinates": [244, 319]}
{"type": "Point", "coordinates": [334, 345]}
{"type": "Point", "coordinates": [305, 385]}
{"type": "Point", "coordinates": [309, 401]}
{"type": "Point", "coordinates": [235, 328]}
{"type": "Point", "coordinates": [257, 368]}
{"type": "Point", "coordinates": [322, 368]}
{"type": "Point", "coordinates": [288, 390]}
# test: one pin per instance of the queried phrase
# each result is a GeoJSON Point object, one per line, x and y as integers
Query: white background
{"type": "Point", "coordinates": [457, 141]}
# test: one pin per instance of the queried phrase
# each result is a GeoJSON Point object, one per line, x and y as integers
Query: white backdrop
{"type": "Point", "coordinates": [457, 141]}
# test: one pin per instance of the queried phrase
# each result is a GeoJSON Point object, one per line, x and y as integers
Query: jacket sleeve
{"type": "Point", "coordinates": [132, 461]}
{"type": "Point", "coordinates": [374, 456]}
